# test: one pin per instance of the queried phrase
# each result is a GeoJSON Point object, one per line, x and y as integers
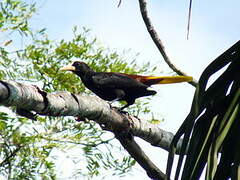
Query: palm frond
{"type": "Point", "coordinates": [211, 130]}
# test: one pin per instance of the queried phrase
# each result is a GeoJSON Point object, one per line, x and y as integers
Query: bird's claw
{"type": "Point", "coordinates": [80, 119]}
{"type": "Point", "coordinates": [26, 113]}
{"type": "Point", "coordinates": [119, 110]}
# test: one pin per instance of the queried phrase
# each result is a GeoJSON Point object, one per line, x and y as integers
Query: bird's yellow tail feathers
{"type": "Point", "coordinates": [168, 79]}
{"type": "Point", "coordinates": [151, 80]}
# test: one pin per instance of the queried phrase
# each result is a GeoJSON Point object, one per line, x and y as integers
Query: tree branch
{"type": "Point", "coordinates": [31, 98]}
{"type": "Point", "coordinates": [137, 153]}
{"type": "Point", "coordinates": [74, 142]}
{"type": "Point", "coordinates": [157, 40]}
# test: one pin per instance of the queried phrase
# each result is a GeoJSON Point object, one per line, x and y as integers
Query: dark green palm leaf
{"type": "Point", "coordinates": [210, 131]}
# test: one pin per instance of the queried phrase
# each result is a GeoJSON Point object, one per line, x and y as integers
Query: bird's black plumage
{"type": "Point", "coordinates": [110, 86]}
{"type": "Point", "coordinates": [113, 86]}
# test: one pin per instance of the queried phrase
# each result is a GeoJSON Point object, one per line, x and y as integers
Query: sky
{"type": "Point", "coordinates": [214, 28]}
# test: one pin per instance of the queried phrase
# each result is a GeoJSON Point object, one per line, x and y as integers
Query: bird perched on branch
{"type": "Point", "coordinates": [112, 86]}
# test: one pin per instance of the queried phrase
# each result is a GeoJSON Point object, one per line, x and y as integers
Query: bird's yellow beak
{"type": "Point", "coordinates": [69, 67]}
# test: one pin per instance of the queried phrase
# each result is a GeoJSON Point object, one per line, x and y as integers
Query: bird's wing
{"type": "Point", "coordinates": [115, 80]}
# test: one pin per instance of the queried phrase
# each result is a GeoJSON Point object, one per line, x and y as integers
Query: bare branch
{"type": "Point", "coordinates": [152, 133]}
{"type": "Point", "coordinates": [137, 153]}
{"type": "Point", "coordinates": [119, 3]}
{"type": "Point", "coordinates": [74, 142]}
{"type": "Point", "coordinates": [157, 40]}
{"type": "Point", "coordinates": [31, 98]}
{"type": "Point", "coordinates": [189, 18]}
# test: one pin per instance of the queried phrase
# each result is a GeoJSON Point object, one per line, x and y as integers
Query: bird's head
{"type": "Point", "coordinates": [77, 67]}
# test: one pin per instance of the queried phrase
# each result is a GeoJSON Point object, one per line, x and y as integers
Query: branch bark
{"type": "Point", "coordinates": [137, 153]}
{"type": "Point", "coordinates": [31, 98]}
{"type": "Point", "coordinates": [157, 40]}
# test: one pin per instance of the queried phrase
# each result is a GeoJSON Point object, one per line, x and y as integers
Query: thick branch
{"type": "Point", "coordinates": [137, 153]}
{"type": "Point", "coordinates": [32, 98]}
{"type": "Point", "coordinates": [157, 40]}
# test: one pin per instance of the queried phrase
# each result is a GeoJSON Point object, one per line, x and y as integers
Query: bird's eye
{"type": "Point", "coordinates": [75, 64]}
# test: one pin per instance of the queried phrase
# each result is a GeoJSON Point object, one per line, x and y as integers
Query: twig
{"type": "Point", "coordinates": [189, 18]}
{"type": "Point", "coordinates": [76, 142]}
{"type": "Point", "coordinates": [157, 40]}
{"type": "Point", "coordinates": [137, 153]}
{"type": "Point", "coordinates": [119, 3]}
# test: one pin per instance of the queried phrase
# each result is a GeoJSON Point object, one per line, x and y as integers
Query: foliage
{"type": "Point", "coordinates": [26, 147]}
{"type": "Point", "coordinates": [21, 154]}
{"type": "Point", "coordinates": [211, 130]}
{"type": "Point", "coordinates": [14, 16]}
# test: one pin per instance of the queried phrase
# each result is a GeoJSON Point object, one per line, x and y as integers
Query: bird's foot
{"type": "Point", "coordinates": [26, 113]}
{"type": "Point", "coordinates": [119, 110]}
{"type": "Point", "coordinates": [81, 119]}
{"type": "Point", "coordinates": [124, 112]}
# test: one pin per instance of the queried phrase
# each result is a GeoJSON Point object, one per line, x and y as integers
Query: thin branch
{"type": "Point", "coordinates": [157, 40]}
{"type": "Point", "coordinates": [119, 3]}
{"type": "Point", "coordinates": [138, 154]}
{"type": "Point", "coordinates": [189, 18]}
{"type": "Point", "coordinates": [75, 142]}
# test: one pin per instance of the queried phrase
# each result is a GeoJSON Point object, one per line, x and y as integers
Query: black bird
{"type": "Point", "coordinates": [112, 86]}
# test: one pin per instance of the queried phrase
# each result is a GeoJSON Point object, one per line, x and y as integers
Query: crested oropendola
{"type": "Point", "coordinates": [113, 86]}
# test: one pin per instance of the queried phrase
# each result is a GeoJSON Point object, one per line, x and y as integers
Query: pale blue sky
{"type": "Point", "coordinates": [123, 28]}
{"type": "Point", "coordinates": [214, 27]}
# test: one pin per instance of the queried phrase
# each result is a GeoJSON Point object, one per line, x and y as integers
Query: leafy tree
{"type": "Point", "coordinates": [26, 145]}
